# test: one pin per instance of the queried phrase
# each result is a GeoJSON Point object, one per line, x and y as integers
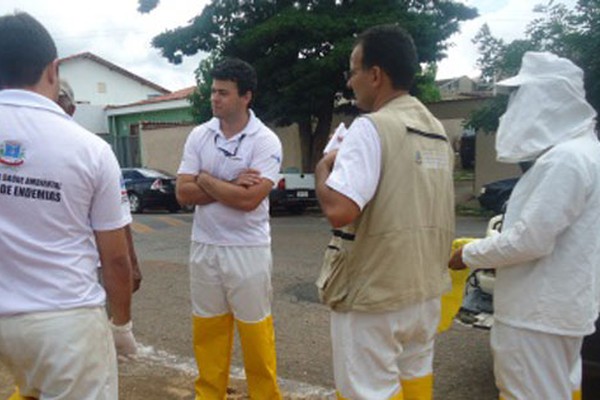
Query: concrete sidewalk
{"type": "Point", "coordinates": [147, 379]}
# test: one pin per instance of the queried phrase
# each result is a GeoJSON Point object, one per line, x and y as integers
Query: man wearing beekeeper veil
{"type": "Point", "coordinates": [547, 256]}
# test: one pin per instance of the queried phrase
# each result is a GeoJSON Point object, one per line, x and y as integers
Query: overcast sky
{"type": "Point", "coordinates": [114, 30]}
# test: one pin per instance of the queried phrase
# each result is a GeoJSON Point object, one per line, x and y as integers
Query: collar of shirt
{"type": "Point", "coordinates": [27, 98]}
{"type": "Point", "coordinates": [252, 127]}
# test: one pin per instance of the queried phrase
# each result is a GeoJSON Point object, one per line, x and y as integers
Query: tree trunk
{"type": "Point", "coordinates": [312, 142]}
{"type": "Point", "coordinates": [321, 135]}
{"type": "Point", "coordinates": [305, 131]}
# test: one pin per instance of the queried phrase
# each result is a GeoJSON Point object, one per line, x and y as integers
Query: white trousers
{"type": "Point", "coordinates": [231, 279]}
{"type": "Point", "coordinates": [372, 352]}
{"type": "Point", "coordinates": [62, 355]}
{"type": "Point", "coordinates": [531, 365]}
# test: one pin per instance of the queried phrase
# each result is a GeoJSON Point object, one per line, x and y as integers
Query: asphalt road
{"type": "Point", "coordinates": [165, 369]}
{"type": "Point", "coordinates": [463, 366]}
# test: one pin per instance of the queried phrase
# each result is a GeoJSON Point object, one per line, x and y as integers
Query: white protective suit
{"type": "Point", "coordinates": [548, 255]}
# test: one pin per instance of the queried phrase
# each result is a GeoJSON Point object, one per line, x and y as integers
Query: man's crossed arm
{"type": "Point", "coordinates": [244, 193]}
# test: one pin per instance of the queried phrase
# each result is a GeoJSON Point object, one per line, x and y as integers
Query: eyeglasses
{"type": "Point", "coordinates": [226, 152]}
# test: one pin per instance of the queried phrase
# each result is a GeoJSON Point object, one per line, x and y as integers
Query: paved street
{"type": "Point", "coordinates": [162, 319]}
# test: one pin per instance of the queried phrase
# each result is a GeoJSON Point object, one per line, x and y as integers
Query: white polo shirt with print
{"type": "Point", "coordinates": [58, 184]}
{"type": "Point", "coordinates": [207, 149]}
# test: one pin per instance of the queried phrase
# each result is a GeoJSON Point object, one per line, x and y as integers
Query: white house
{"type": "Point", "coordinates": [98, 83]}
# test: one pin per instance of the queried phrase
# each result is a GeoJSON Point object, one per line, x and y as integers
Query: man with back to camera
{"type": "Point", "coordinates": [59, 191]}
{"type": "Point", "coordinates": [388, 193]}
{"type": "Point", "coordinates": [229, 166]}
{"type": "Point", "coordinates": [547, 290]}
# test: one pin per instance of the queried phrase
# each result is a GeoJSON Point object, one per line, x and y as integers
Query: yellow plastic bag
{"type": "Point", "coordinates": [452, 300]}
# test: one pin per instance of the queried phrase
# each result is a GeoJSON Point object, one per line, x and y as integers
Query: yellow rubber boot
{"type": "Point", "coordinates": [397, 396]}
{"type": "Point", "coordinates": [213, 341]}
{"type": "Point", "coordinates": [258, 346]}
{"type": "Point", "coordinates": [418, 388]}
{"type": "Point", "coordinates": [16, 395]}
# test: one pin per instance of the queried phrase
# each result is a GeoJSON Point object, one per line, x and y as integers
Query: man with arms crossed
{"type": "Point", "coordinates": [229, 166]}
{"type": "Point", "coordinates": [58, 191]}
{"type": "Point", "coordinates": [390, 188]}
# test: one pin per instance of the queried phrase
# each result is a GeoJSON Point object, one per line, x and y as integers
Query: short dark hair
{"type": "Point", "coordinates": [238, 71]}
{"type": "Point", "coordinates": [392, 49]}
{"type": "Point", "coordinates": [26, 49]}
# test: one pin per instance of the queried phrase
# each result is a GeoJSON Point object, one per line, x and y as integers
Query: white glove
{"type": "Point", "coordinates": [124, 340]}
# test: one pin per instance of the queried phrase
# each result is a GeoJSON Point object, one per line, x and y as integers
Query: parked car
{"type": "Point", "coordinates": [494, 195]}
{"type": "Point", "coordinates": [294, 191]}
{"type": "Point", "coordinates": [150, 188]}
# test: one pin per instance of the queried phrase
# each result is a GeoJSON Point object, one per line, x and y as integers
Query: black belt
{"type": "Point", "coordinates": [343, 235]}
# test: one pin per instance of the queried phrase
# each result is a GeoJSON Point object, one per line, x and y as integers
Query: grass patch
{"type": "Point", "coordinates": [472, 209]}
{"type": "Point", "coordinates": [463, 175]}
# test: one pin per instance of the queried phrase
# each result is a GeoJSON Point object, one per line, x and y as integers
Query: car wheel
{"type": "Point", "coordinates": [173, 208]}
{"type": "Point", "coordinates": [135, 203]}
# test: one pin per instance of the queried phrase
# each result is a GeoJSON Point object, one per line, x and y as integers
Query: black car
{"type": "Point", "coordinates": [494, 195]}
{"type": "Point", "coordinates": [590, 353]}
{"type": "Point", "coordinates": [150, 188]}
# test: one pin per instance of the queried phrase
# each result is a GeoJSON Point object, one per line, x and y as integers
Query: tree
{"type": "Point", "coordinates": [300, 49]}
{"type": "Point", "coordinates": [574, 34]}
{"type": "Point", "coordinates": [571, 33]}
{"type": "Point", "coordinates": [200, 98]}
{"type": "Point", "coordinates": [424, 87]}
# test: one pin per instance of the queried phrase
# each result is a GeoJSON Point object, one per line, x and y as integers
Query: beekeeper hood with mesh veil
{"type": "Point", "coordinates": [547, 106]}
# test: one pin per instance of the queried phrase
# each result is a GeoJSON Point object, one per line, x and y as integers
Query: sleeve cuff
{"type": "Point", "coordinates": [346, 191]}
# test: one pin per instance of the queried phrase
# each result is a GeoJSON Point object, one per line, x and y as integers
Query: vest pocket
{"type": "Point", "coordinates": [333, 281]}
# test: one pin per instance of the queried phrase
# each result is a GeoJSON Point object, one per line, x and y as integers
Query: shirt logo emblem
{"type": "Point", "coordinates": [12, 153]}
{"type": "Point", "coordinates": [418, 158]}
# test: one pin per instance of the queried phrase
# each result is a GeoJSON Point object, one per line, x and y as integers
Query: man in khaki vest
{"type": "Point", "coordinates": [388, 193]}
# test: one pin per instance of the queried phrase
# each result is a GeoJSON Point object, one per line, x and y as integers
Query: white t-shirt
{"type": "Point", "coordinates": [58, 184]}
{"type": "Point", "coordinates": [358, 163]}
{"type": "Point", "coordinates": [207, 149]}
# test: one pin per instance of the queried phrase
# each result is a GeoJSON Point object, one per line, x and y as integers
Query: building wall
{"type": "Point", "coordinates": [454, 128]}
{"type": "Point", "coordinates": [487, 169]}
{"type": "Point", "coordinates": [92, 117]}
{"type": "Point", "coordinates": [464, 84]}
{"type": "Point", "coordinates": [96, 84]}
{"type": "Point", "coordinates": [290, 142]}
{"type": "Point", "coordinates": [162, 148]}
{"type": "Point", "coordinates": [126, 133]}
{"type": "Point", "coordinates": [459, 108]}
{"type": "Point", "coordinates": [121, 123]}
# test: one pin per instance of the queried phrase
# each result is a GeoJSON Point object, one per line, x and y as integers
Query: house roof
{"type": "Point", "coordinates": [90, 56]}
{"type": "Point", "coordinates": [443, 82]}
{"type": "Point", "coordinates": [177, 95]}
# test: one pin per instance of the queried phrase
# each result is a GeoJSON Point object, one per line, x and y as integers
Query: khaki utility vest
{"type": "Point", "coordinates": [396, 252]}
